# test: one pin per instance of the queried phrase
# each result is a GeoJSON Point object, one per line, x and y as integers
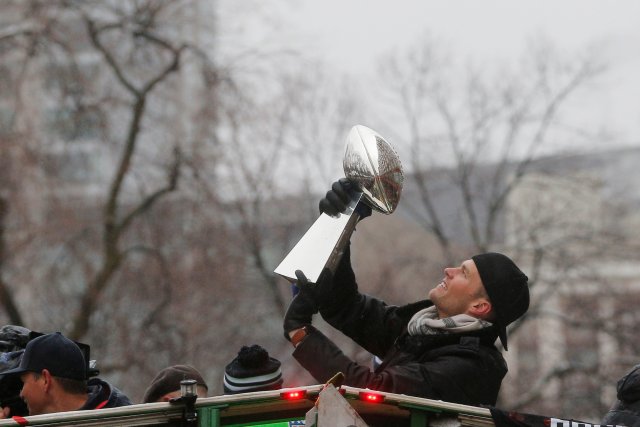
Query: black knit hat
{"type": "Point", "coordinates": [55, 353]}
{"type": "Point", "coordinates": [252, 370]}
{"type": "Point", "coordinates": [506, 287]}
{"type": "Point", "coordinates": [168, 380]}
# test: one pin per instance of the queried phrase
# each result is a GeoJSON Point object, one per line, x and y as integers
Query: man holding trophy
{"type": "Point", "coordinates": [439, 348]}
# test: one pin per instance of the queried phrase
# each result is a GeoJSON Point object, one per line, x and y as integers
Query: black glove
{"type": "Point", "coordinates": [337, 199]}
{"type": "Point", "coordinates": [302, 307]}
{"type": "Point", "coordinates": [332, 292]}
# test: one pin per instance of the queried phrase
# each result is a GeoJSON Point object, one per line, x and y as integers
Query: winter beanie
{"type": "Point", "coordinates": [252, 370]}
{"type": "Point", "coordinates": [507, 288]}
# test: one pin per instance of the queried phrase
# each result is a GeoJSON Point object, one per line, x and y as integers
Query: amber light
{"type": "Point", "coordinates": [294, 394]}
{"type": "Point", "coordinates": [371, 397]}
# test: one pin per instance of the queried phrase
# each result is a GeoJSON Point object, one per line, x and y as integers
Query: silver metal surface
{"type": "Point", "coordinates": [321, 246]}
{"type": "Point", "coordinates": [371, 161]}
{"type": "Point", "coordinates": [374, 165]}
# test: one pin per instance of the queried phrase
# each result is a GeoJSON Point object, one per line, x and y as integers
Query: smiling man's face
{"type": "Point", "coordinates": [459, 290]}
{"type": "Point", "coordinates": [33, 392]}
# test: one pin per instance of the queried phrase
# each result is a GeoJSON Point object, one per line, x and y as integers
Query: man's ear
{"type": "Point", "coordinates": [47, 377]}
{"type": "Point", "coordinates": [480, 308]}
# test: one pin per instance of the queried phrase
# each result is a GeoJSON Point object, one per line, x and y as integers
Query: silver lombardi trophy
{"type": "Point", "coordinates": [370, 161]}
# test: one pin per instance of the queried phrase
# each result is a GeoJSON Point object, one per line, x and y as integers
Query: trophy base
{"type": "Point", "coordinates": [321, 246]}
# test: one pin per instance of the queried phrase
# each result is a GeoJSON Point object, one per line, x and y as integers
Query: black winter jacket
{"type": "Point", "coordinates": [461, 368]}
{"type": "Point", "coordinates": [104, 395]}
{"type": "Point", "coordinates": [626, 411]}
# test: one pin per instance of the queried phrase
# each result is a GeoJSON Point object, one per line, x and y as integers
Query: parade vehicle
{"type": "Point", "coordinates": [320, 406]}
{"type": "Point", "coordinates": [326, 405]}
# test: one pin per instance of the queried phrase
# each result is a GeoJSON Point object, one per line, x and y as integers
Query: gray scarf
{"type": "Point", "coordinates": [426, 322]}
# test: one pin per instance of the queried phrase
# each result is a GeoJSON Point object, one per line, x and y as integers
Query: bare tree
{"type": "Point", "coordinates": [152, 274]}
{"type": "Point", "coordinates": [480, 131]}
{"type": "Point", "coordinates": [279, 146]}
{"type": "Point", "coordinates": [115, 223]}
{"type": "Point", "coordinates": [5, 296]}
{"type": "Point", "coordinates": [103, 67]}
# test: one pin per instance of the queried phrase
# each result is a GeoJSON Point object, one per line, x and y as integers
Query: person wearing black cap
{"type": "Point", "coordinates": [166, 385]}
{"type": "Point", "coordinates": [440, 348]}
{"type": "Point", "coordinates": [252, 370]}
{"type": "Point", "coordinates": [54, 376]}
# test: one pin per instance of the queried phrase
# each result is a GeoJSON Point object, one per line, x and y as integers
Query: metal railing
{"type": "Point", "coordinates": [268, 407]}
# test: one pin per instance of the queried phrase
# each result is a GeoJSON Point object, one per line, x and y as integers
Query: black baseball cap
{"type": "Point", "coordinates": [58, 354]}
{"type": "Point", "coordinates": [507, 288]}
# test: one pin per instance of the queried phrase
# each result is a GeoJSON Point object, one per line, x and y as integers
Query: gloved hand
{"type": "Point", "coordinates": [331, 292]}
{"type": "Point", "coordinates": [322, 291]}
{"type": "Point", "coordinates": [337, 199]}
{"type": "Point", "coordinates": [302, 307]}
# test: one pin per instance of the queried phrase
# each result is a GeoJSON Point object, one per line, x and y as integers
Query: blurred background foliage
{"type": "Point", "coordinates": [154, 172]}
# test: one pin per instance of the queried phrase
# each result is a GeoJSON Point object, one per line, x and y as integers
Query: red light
{"type": "Point", "coordinates": [371, 397]}
{"type": "Point", "coordinates": [294, 394]}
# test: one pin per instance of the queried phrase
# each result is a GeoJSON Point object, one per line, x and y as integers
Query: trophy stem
{"type": "Point", "coordinates": [338, 251]}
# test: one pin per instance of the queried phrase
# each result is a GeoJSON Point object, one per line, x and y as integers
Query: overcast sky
{"type": "Point", "coordinates": [482, 30]}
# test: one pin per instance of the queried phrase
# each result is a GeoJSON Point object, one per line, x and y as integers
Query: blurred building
{"type": "Point", "coordinates": [575, 221]}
